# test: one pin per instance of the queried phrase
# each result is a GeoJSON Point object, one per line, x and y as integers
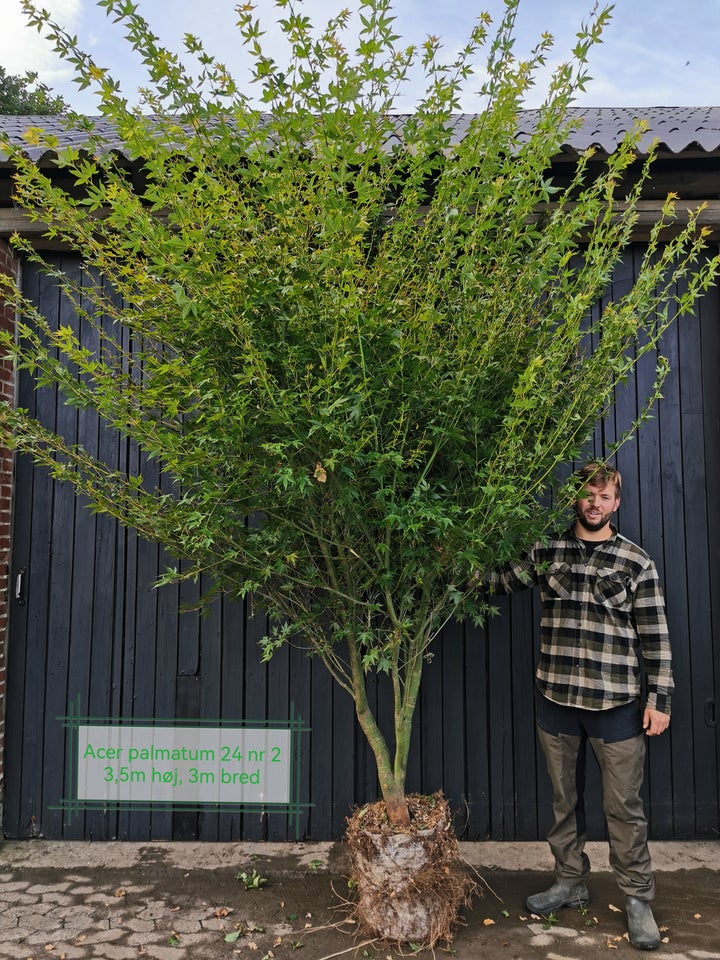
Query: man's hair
{"type": "Point", "coordinates": [598, 474]}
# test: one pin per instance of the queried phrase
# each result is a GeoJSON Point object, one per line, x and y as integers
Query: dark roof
{"type": "Point", "coordinates": [678, 129]}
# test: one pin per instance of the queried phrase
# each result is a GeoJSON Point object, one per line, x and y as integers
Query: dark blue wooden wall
{"type": "Point", "coordinates": [89, 628]}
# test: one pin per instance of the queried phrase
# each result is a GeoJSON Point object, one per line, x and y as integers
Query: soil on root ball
{"type": "Point", "coordinates": [410, 882]}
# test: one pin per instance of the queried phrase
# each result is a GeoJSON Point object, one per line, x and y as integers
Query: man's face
{"type": "Point", "coordinates": [596, 505]}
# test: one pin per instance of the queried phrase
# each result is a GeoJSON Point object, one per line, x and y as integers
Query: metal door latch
{"type": "Point", "coordinates": [710, 713]}
{"type": "Point", "coordinates": [20, 586]}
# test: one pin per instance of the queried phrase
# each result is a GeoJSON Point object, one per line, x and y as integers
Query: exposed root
{"type": "Point", "coordinates": [411, 882]}
{"type": "Point", "coordinates": [355, 946]}
{"type": "Point", "coordinates": [483, 881]}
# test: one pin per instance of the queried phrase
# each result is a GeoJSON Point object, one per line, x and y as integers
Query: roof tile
{"type": "Point", "coordinates": [677, 129]}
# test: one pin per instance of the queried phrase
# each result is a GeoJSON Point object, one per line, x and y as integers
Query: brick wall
{"type": "Point", "coordinates": [8, 264]}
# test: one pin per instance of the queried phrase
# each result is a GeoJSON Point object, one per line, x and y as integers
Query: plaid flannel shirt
{"type": "Point", "coordinates": [600, 613]}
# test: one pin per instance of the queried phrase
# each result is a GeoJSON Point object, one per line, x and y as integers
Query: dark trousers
{"type": "Point", "coordinates": [618, 742]}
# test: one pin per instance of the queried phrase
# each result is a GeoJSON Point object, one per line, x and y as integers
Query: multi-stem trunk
{"type": "Point", "coordinates": [405, 671]}
{"type": "Point", "coordinates": [392, 769]}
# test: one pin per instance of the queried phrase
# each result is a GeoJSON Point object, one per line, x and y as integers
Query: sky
{"type": "Point", "coordinates": [654, 52]}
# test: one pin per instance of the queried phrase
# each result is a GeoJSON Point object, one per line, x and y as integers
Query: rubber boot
{"type": "Point", "coordinates": [643, 930]}
{"type": "Point", "coordinates": [562, 894]}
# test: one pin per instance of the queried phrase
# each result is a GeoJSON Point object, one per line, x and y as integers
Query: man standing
{"type": "Point", "coordinates": [602, 613]}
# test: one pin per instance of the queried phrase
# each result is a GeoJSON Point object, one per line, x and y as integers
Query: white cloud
{"type": "Point", "coordinates": [22, 48]}
{"type": "Point", "coordinates": [647, 55]}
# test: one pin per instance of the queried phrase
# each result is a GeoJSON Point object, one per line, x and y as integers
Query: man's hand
{"type": "Point", "coordinates": [655, 722]}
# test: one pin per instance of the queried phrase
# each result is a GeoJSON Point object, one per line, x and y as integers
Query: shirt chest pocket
{"type": "Point", "coordinates": [558, 582]}
{"type": "Point", "coordinates": [612, 589]}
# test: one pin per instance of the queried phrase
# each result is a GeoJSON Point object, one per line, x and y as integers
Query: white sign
{"type": "Point", "coordinates": [183, 764]}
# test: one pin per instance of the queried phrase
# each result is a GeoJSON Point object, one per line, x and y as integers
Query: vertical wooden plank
{"type": "Point", "coordinates": [343, 790]}
{"type": "Point", "coordinates": [102, 825]}
{"type": "Point", "coordinates": [231, 692]}
{"type": "Point", "coordinates": [31, 525]}
{"type": "Point", "coordinates": [187, 692]}
{"type": "Point", "coordinates": [123, 548]}
{"type": "Point", "coordinates": [454, 728]}
{"type": "Point", "coordinates": [431, 699]}
{"type": "Point", "coordinates": [128, 827]}
{"type": "Point", "coordinates": [80, 643]}
{"type": "Point", "coordinates": [187, 683]}
{"type": "Point", "coordinates": [709, 313]}
{"type": "Point", "coordinates": [278, 706]}
{"type": "Point", "coordinates": [623, 412]}
{"type": "Point", "coordinates": [641, 513]}
{"type": "Point", "coordinates": [188, 657]}
{"type": "Point", "coordinates": [500, 708]}
{"type": "Point", "coordinates": [669, 417]}
{"type": "Point", "coordinates": [145, 639]}
{"type": "Point", "coordinates": [166, 654]}
{"type": "Point", "coordinates": [60, 602]}
{"type": "Point", "coordinates": [544, 788]}
{"type": "Point", "coordinates": [695, 483]}
{"type": "Point", "coordinates": [256, 705]}
{"type": "Point", "coordinates": [476, 723]}
{"type": "Point", "coordinates": [523, 646]}
{"type": "Point", "coordinates": [300, 699]}
{"type": "Point", "coordinates": [210, 686]}
{"type": "Point", "coordinates": [321, 737]}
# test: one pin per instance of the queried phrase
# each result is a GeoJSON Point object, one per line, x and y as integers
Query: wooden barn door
{"type": "Point", "coordinates": [87, 628]}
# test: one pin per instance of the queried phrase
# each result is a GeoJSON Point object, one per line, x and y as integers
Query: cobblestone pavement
{"type": "Point", "coordinates": [120, 901]}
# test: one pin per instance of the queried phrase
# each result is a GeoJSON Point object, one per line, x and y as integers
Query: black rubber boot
{"type": "Point", "coordinates": [643, 930]}
{"type": "Point", "coordinates": [561, 894]}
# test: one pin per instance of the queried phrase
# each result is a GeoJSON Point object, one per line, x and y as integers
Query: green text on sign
{"type": "Point", "coordinates": [119, 763]}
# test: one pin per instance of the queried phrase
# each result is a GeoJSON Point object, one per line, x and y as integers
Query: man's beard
{"type": "Point", "coordinates": [592, 526]}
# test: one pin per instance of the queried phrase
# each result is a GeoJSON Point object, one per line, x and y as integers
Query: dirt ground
{"type": "Point", "coordinates": [158, 904]}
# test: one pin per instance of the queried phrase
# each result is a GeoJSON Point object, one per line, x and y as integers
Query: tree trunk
{"type": "Point", "coordinates": [397, 810]}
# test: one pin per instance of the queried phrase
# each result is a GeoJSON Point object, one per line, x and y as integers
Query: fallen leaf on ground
{"type": "Point", "coordinates": [222, 912]}
{"type": "Point", "coordinates": [611, 945]}
{"type": "Point", "coordinates": [120, 893]}
{"type": "Point", "coordinates": [614, 909]}
{"type": "Point", "coordinates": [666, 940]}
{"type": "Point", "coordinates": [487, 922]}
{"type": "Point", "coordinates": [697, 916]}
